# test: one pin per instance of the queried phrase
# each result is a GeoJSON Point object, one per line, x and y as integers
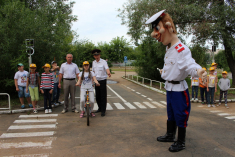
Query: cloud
{"type": "Point", "coordinates": [98, 21]}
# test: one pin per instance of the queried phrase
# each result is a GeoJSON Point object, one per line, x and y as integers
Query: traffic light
{"type": "Point", "coordinates": [213, 48]}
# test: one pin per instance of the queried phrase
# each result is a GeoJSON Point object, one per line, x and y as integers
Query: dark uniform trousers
{"type": "Point", "coordinates": [101, 95]}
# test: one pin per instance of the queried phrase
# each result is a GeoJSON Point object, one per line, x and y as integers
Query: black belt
{"type": "Point", "coordinates": [69, 78]}
{"type": "Point", "coordinates": [174, 82]}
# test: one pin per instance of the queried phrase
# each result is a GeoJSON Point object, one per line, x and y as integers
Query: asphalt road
{"type": "Point", "coordinates": [136, 116]}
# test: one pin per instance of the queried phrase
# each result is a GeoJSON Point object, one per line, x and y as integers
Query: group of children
{"type": "Point", "coordinates": [28, 84]}
{"type": "Point", "coordinates": [208, 87]}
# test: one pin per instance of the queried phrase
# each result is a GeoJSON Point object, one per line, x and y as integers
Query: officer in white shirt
{"type": "Point", "coordinates": [178, 64]}
{"type": "Point", "coordinates": [69, 71]}
{"type": "Point", "coordinates": [101, 70]}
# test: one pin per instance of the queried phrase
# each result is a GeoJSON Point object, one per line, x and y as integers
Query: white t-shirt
{"type": "Point", "coordinates": [99, 68]}
{"type": "Point", "coordinates": [87, 82]}
{"type": "Point", "coordinates": [195, 81]}
{"type": "Point", "coordinates": [22, 78]}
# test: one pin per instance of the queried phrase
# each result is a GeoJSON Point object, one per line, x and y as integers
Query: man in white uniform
{"type": "Point", "coordinates": [178, 64]}
{"type": "Point", "coordinates": [101, 69]}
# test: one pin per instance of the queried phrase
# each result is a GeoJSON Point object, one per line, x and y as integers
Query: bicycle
{"type": "Point", "coordinates": [87, 106]}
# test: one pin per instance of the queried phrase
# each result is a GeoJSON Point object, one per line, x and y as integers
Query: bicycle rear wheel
{"type": "Point", "coordinates": [88, 113]}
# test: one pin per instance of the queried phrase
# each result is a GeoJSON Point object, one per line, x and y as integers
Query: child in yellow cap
{"type": "Point", "coordinates": [224, 85]}
{"type": "Point", "coordinates": [33, 82]}
{"type": "Point", "coordinates": [211, 86]}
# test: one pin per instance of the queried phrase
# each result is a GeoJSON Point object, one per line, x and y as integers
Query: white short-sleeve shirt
{"type": "Point", "coordinates": [69, 71]}
{"type": "Point", "coordinates": [21, 77]}
{"type": "Point", "coordinates": [87, 82]}
{"type": "Point", "coordinates": [178, 64]}
{"type": "Point", "coordinates": [99, 68]}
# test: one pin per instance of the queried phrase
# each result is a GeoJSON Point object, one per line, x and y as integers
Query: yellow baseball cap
{"type": "Point", "coordinates": [32, 65]}
{"type": "Point", "coordinates": [224, 72]}
{"type": "Point", "coordinates": [212, 68]}
{"type": "Point", "coordinates": [47, 66]}
{"type": "Point", "coordinates": [214, 64]}
{"type": "Point", "coordinates": [85, 62]}
{"type": "Point", "coordinates": [204, 68]}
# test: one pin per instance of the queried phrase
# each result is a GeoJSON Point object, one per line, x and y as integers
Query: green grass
{"type": "Point", "coordinates": [123, 69]}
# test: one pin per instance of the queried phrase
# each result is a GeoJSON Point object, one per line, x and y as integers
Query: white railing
{"type": "Point", "coordinates": [143, 78]}
{"type": "Point", "coordinates": [8, 101]}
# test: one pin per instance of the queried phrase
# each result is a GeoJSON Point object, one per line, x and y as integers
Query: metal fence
{"type": "Point", "coordinates": [8, 101]}
{"type": "Point", "coordinates": [143, 80]}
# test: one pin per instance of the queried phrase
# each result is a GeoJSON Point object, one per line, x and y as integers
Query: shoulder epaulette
{"type": "Point", "coordinates": [179, 48]}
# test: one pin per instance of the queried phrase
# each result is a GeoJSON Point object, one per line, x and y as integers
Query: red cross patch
{"type": "Point", "coordinates": [179, 48]}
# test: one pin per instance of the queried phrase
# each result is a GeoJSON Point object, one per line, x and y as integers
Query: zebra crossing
{"type": "Point", "coordinates": [134, 105]}
{"type": "Point", "coordinates": [40, 127]}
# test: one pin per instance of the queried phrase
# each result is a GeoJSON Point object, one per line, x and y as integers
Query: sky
{"type": "Point", "coordinates": [98, 21]}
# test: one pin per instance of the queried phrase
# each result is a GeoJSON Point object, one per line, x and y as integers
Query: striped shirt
{"type": "Point", "coordinates": [47, 81]}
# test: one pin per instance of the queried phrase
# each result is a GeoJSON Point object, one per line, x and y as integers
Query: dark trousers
{"type": "Point", "coordinates": [203, 91]}
{"type": "Point", "coordinates": [56, 93]}
{"type": "Point", "coordinates": [47, 96]}
{"type": "Point", "coordinates": [210, 95]}
{"type": "Point", "coordinates": [101, 95]}
{"type": "Point", "coordinates": [194, 89]}
{"type": "Point", "coordinates": [225, 96]}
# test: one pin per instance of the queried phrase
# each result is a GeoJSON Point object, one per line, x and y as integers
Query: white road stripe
{"type": "Point", "coordinates": [133, 90]}
{"type": "Point", "coordinates": [108, 95]}
{"type": "Point", "coordinates": [163, 102]}
{"type": "Point", "coordinates": [139, 105]}
{"type": "Point", "coordinates": [38, 115]}
{"type": "Point", "coordinates": [109, 107]}
{"type": "Point", "coordinates": [200, 106]}
{"type": "Point", "coordinates": [137, 93]}
{"type": "Point", "coordinates": [95, 106]}
{"type": "Point", "coordinates": [116, 94]}
{"type": "Point", "coordinates": [230, 117]}
{"type": "Point", "coordinates": [130, 106]}
{"type": "Point", "coordinates": [224, 114]}
{"type": "Point", "coordinates": [14, 127]}
{"type": "Point", "coordinates": [150, 99]}
{"type": "Point", "coordinates": [28, 134]}
{"type": "Point", "coordinates": [25, 145]}
{"type": "Point", "coordinates": [149, 105]}
{"type": "Point", "coordinates": [158, 104]}
{"type": "Point", "coordinates": [143, 96]}
{"type": "Point", "coordinates": [128, 87]}
{"type": "Point", "coordinates": [216, 111]}
{"type": "Point", "coordinates": [119, 106]}
{"type": "Point", "coordinates": [34, 120]}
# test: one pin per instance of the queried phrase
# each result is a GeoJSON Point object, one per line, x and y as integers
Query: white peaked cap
{"type": "Point", "coordinates": [154, 17]}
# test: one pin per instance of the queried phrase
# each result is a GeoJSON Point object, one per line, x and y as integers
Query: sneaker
{"type": "Point", "coordinates": [208, 105]}
{"type": "Point", "coordinates": [30, 105]}
{"type": "Point", "coordinates": [35, 111]}
{"type": "Point", "coordinates": [196, 99]}
{"type": "Point", "coordinates": [226, 105]}
{"type": "Point", "coordinates": [192, 99]}
{"type": "Point", "coordinates": [22, 106]}
{"type": "Point", "coordinates": [92, 114]}
{"type": "Point", "coordinates": [64, 111]}
{"type": "Point", "coordinates": [76, 111]}
{"type": "Point", "coordinates": [213, 105]}
{"type": "Point", "coordinates": [82, 114]}
{"type": "Point", "coordinates": [53, 104]}
{"type": "Point", "coordinates": [219, 104]}
{"type": "Point", "coordinates": [49, 110]}
{"type": "Point", "coordinates": [46, 110]}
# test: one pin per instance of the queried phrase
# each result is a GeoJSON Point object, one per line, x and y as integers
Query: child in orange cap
{"type": "Point", "coordinates": [224, 85]}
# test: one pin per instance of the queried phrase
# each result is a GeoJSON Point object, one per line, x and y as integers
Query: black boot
{"type": "Point", "coordinates": [170, 134]}
{"type": "Point", "coordinates": [180, 143]}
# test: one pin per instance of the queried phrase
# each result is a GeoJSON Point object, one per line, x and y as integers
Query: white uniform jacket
{"type": "Point", "coordinates": [178, 64]}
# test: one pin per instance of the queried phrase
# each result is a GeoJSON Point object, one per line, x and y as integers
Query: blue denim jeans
{"type": "Point", "coordinates": [56, 93]}
{"type": "Point", "coordinates": [210, 95]}
{"type": "Point", "coordinates": [22, 92]}
{"type": "Point", "coordinates": [194, 89]}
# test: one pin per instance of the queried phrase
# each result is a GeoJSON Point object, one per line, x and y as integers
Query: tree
{"type": "Point", "coordinates": [208, 20]}
{"type": "Point", "coordinates": [199, 54]}
{"type": "Point", "coordinates": [221, 60]}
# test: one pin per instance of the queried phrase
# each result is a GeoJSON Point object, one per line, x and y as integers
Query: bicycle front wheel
{"type": "Point", "coordinates": [88, 113]}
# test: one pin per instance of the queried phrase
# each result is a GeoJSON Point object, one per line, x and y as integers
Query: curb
{"type": "Point", "coordinates": [26, 110]}
{"type": "Point", "coordinates": [162, 92]}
